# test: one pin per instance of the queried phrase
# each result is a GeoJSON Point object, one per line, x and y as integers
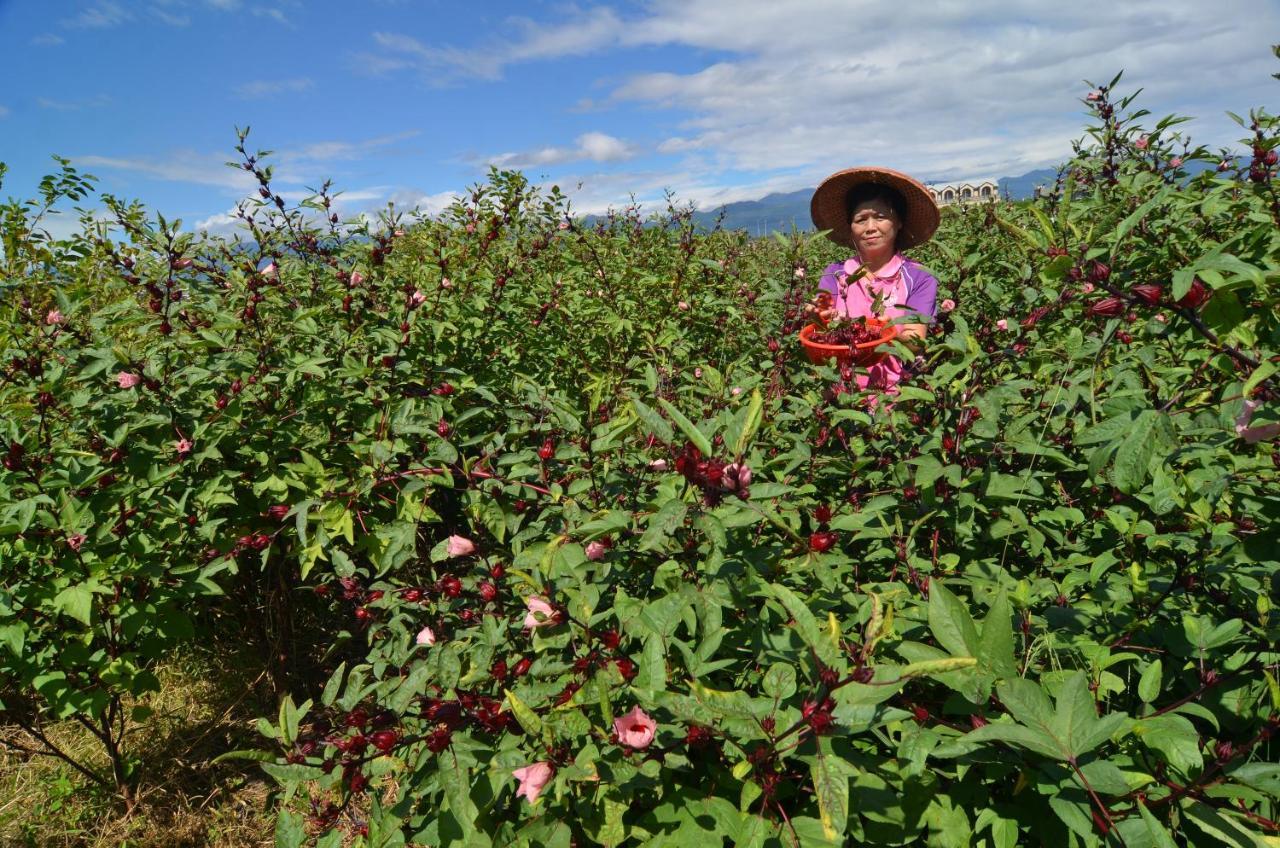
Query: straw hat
{"type": "Point", "coordinates": [828, 205]}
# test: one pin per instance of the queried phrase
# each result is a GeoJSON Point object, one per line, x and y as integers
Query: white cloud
{"type": "Point", "coordinates": [809, 86]}
{"type": "Point", "coordinates": [73, 105]}
{"type": "Point", "coordinates": [592, 146]}
{"type": "Point", "coordinates": [101, 15]}
{"type": "Point", "coordinates": [170, 18]}
{"type": "Point", "coordinates": [274, 13]}
{"type": "Point", "coordinates": [48, 39]}
{"type": "Point", "coordinates": [4, 111]}
{"type": "Point", "coordinates": [435, 65]}
{"type": "Point", "coordinates": [363, 203]}
{"type": "Point", "coordinates": [293, 168]}
{"type": "Point", "coordinates": [267, 88]}
{"type": "Point", "coordinates": [184, 166]}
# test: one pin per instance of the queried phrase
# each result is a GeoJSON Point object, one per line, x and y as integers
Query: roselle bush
{"type": "Point", "coordinates": [550, 534]}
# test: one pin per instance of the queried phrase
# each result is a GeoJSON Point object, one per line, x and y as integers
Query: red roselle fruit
{"type": "Point", "coordinates": [384, 740]}
{"type": "Point", "coordinates": [547, 450]}
{"type": "Point", "coordinates": [1196, 296]}
{"type": "Point", "coordinates": [1108, 307]}
{"type": "Point", "coordinates": [822, 514]}
{"type": "Point", "coordinates": [1148, 293]}
{"type": "Point", "coordinates": [522, 667]}
{"type": "Point", "coordinates": [822, 541]}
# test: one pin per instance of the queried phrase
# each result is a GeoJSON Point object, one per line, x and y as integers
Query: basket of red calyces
{"type": "Point", "coordinates": [855, 340]}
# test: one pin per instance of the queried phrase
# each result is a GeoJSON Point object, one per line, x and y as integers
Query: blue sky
{"type": "Point", "coordinates": [717, 100]}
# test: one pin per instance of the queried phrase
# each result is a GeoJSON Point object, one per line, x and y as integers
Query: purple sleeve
{"type": "Point", "coordinates": [923, 297]}
{"type": "Point", "coordinates": [828, 282]}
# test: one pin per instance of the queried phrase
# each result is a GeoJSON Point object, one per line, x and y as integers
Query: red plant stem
{"type": "Point", "coordinates": [1102, 808]}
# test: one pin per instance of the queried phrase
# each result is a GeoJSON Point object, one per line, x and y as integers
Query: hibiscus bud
{"type": "Point", "coordinates": [1148, 293]}
{"type": "Point", "coordinates": [822, 541]}
{"type": "Point", "coordinates": [384, 740]}
{"type": "Point", "coordinates": [548, 449]}
{"type": "Point", "coordinates": [1196, 296]}
{"type": "Point", "coordinates": [1107, 307]}
{"type": "Point", "coordinates": [596, 550]}
{"type": "Point", "coordinates": [822, 514]}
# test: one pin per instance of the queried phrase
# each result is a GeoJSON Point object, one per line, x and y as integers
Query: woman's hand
{"type": "Point", "coordinates": [821, 308]}
{"type": "Point", "coordinates": [912, 332]}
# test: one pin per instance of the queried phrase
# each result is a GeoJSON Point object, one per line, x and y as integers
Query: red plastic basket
{"type": "Point", "coordinates": [865, 353]}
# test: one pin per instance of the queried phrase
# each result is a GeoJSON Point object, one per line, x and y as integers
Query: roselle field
{"type": "Point", "coordinates": [508, 528]}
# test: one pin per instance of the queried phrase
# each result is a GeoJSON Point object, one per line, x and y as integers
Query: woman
{"type": "Point", "coordinates": [877, 212]}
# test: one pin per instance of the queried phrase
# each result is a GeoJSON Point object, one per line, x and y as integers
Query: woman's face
{"type": "Point", "coordinates": [874, 227]}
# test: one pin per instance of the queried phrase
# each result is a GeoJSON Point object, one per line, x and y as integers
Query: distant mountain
{"type": "Point", "coordinates": [1024, 187]}
{"type": "Point", "coordinates": [780, 212]}
{"type": "Point", "coordinates": [761, 217]}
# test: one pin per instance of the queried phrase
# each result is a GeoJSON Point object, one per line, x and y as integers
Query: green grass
{"type": "Point", "coordinates": [205, 707]}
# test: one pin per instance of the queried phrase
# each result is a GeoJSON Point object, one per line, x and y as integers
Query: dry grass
{"type": "Point", "coordinates": [204, 708]}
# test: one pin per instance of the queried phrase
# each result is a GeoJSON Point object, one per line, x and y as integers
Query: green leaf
{"type": "Point", "coordinates": [950, 622]}
{"type": "Point", "coordinates": [1226, 831]}
{"type": "Point", "coordinates": [779, 681]}
{"type": "Point", "coordinates": [996, 647]}
{"type": "Point", "coordinates": [1131, 221]}
{"type": "Point", "coordinates": [1158, 835]}
{"type": "Point", "coordinates": [1175, 738]}
{"type": "Point", "coordinates": [928, 668]}
{"type": "Point", "coordinates": [528, 719]}
{"type": "Point", "coordinates": [831, 784]}
{"type": "Point", "coordinates": [1133, 457]}
{"type": "Point", "coordinates": [654, 423]}
{"type": "Point", "coordinates": [291, 831]}
{"type": "Point", "coordinates": [1264, 777]}
{"type": "Point", "coordinates": [691, 432]}
{"type": "Point", "coordinates": [662, 524]}
{"type": "Point", "coordinates": [807, 625]}
{"type": "Point", "coordinates": [76, 601]}
{"type": "Point", "coordinates": [755, 410]}
{"type": "Point", "coordinates": [1149, 683]}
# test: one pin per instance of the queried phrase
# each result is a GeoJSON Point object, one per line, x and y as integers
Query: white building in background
{"type": "Point", "coordinates": [976, 192]}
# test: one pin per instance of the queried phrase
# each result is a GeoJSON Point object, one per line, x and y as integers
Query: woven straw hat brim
{"type": "Point", "coordinates": [827, 208]}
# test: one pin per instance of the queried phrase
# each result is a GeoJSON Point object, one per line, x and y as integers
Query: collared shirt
{"type": "Point", "coordinates": [921, 286]}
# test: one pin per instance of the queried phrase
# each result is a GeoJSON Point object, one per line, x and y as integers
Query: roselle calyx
{"type": "Point", "coordinates": [1148, 293]}
{"type": "Point", "coordinates": [1196, 296]}
{"type": "Point", "coordinates": [1107, 307]}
